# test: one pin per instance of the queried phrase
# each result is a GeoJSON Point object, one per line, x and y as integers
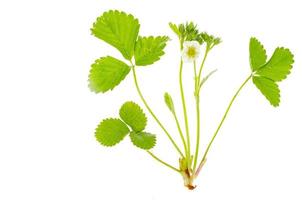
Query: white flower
{"type": "Point", "coordinates": [191, 51]}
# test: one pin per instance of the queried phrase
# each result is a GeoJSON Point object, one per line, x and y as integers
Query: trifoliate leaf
{"type": "Point", "coordinates": [169, 102]}
{"type": "Point", "coordinates": [143, 140]}
{"type": "Point", "coordinates": [257, 54]}
{"type": "Point", "coordinates": [133, 115]}
{"type": "Point", "coordinates": [279, 66]}
{"type": "Point", "coordinates": [111, 131]}
{"type": "Point", "coordinates": [119, 30]}
{"type": "Point", "coordinates": [149, 49]}
{"type": "Point", "coordinates": [269, 89]}
{"type": "Point", "coordinates": [106, 73]}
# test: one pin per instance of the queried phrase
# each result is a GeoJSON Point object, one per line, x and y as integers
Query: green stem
{"type": "Point", "coordinates": [224, 116]}
{"type": "Point", "coordinates": [180, 131]}
{"type": "Point", "coordinates": [163, 162]}
{"type": "Point", "coordinates": [197, 99]}
{"type": "Point", "coordinates": [188, 153]}
{"type": "Point", "coordinates": [202, 63]}
{"type": "Point", "coordinates": [152, 113]}
{"type": "Point", "coordinates": [197, 117]}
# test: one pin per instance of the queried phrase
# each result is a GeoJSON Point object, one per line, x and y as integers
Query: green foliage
{"type": "Point", "coordinates": [269, 89]}
{"type": "Point", "coordinates": [143, 140]}
{"type": "Point", "coordinates": [186, 32]}
{"type": "Point", "coordinates": [111, 131]}
{"type": "Point", "coordinates": [134, 116]}
{"type": "Point", "coordinates": [174, 28]}
{"type": "Point", "coordinates": [169, 102]}
{"type": "Point", "coordinates": [190, 32]}
{"type": "Point", "coordinates": [257, 54]}
{"type": "Point", "coordinates": [149, 49]}
{"type": "Point", "coordinates": [106, 73]}
{"type": "Point", "coordinates": [267, 73]}
{"type": "Point", "coordinates": [119, 30]}
{"type": "Point", "coordinates": [210, 40]}
{"type": "Point", "coordinates": [279, 66]}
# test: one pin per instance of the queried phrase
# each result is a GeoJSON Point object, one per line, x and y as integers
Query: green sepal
{"type": "Point", "coordinates": [174, 28]}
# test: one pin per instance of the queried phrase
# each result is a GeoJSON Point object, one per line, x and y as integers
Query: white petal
{"type": "Point", "coordinates": [195, 44]}
{"type": "Point", "coordinates": [186, 46]}
{"type": "Point", "coordinates": [186, 58]}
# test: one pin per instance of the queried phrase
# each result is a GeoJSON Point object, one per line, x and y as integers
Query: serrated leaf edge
{"type": "Point", "coordinates": [107, 119]}
{"type": "Point", "coordinates": [262, 46]}
{"type": "Point", "coordinates": [291, 65]}
{"type": "Point", "coordinates": [279, 92]}
{"type": "Point", "coordinates": [119, 13]}
{"type": "Point", "coordinates": [140, 110]}
{"type": "Point", "coordinates": [90, 72]}
{"type": "Point", "coordinates": [164, 43]}
{"type": "Point", "coordinates": [155, 139]}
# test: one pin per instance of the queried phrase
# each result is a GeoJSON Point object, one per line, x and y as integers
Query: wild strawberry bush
{"type": "Point", "coordinates": [121, 30]}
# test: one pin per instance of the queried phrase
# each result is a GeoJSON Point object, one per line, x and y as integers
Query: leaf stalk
{"type": "Point", "coordinates": [152, 113]}
{"type": "Point", "coordinates": [163, 162]}
{"type": "Point", "coordinates": [224, 117]}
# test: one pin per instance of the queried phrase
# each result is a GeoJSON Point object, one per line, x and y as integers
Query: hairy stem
{"type": "Point", "coordinates": [162, 162]}
{"type": "Point", "coordinates": [152, 113]}
{"type": "Point", "coordinates": [224, 117]}
{"type": "Point", "coordinates": [188, 153]}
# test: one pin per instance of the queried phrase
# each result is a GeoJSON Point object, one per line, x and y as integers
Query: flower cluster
{"type": "Point", "coordinates": [191, 39]}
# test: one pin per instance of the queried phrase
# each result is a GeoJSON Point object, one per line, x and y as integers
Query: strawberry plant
{"type": "Point", "coordinates": [121, 30]}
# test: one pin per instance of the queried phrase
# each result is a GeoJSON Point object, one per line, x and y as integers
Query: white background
{"type": "Point", "coordinates": [48, 114]}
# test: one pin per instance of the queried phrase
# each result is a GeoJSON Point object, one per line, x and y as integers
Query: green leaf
{"type": "Point", "coordinates": [117, 29]}
{"type": "Point", "coordinates": [169, 102]}
{"type": "Point", "coordinates": [149, 49]}
{"type": "Point", "coordinates": [111, 131]}
{"type": "Point", "coordinates": [143, 140]}
{"type": "Point", "coordinates": [257, 54]}
{"type": "Point", "coordinates": [279, 66]}
{"type": "Point", "coordinates": [133, 115]}
{"type": "Point", "coordinates": [269, 89]}
{"type": "Point", "coordinates": [106, 73]}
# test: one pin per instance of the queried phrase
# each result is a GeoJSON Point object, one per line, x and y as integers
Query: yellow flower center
{"type": "Point", "coordinates": [191, 52]}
